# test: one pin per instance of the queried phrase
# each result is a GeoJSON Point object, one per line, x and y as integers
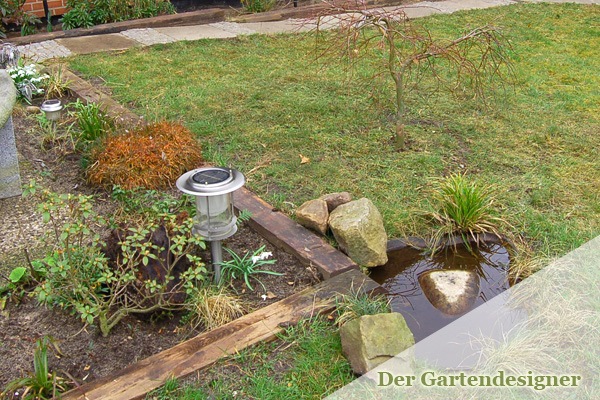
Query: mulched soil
{"type": "Point", "coordinates": [86, 355]}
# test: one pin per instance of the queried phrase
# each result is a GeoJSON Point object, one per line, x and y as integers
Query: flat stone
{"type": "Point", "coordinates": [10, 179]}
{"type": "Point", "coordinates": [452, 292]}
{"type": "Point", "coordinates": [313, 215]}
{"type": "Point", "coordinates": [147, 36]}
{"type": "Point", "coordinates": [196, 32]}
{"type": "Point", "coordinates": [274, 27]}
{"type": "Point", "coordinates": [97, 43]}
{"type": "Point", "coordinates": [371, 340]}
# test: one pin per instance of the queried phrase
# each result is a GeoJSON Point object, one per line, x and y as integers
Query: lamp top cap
{"type": "Point", "coordinates": [51, 105]}
{"type": "Point", "coordinates": [210, 181]}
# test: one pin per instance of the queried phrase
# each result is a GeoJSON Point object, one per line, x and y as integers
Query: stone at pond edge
{"type": "Point", "coordinates": [358, 229]}
{"type": "Point", "coordinates": [452, 292]}
{"type": "Point", "coordinates": [313, 215]}
{"type": "Point", "coordinates": [334, 200]}
{"type": "Point", "coordinates": [10, 179]}
{"type": "Point", "coordinates": [371, 340]}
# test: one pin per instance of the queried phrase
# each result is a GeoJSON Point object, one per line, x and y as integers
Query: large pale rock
{"type": "Point", "coordinates": [371, 340]}
{"type": "Point", "coordinates": [358, 229]}
{"type": "Point", "coordinates": [336, 199]}
{"type": "Point", "coordinates": [452, 292]}
{"type": "Point", "coordinates": [313, 215]}
{"type": "Point", "coordinates": [10, 180]}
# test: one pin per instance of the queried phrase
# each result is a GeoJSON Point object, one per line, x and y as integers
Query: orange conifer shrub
{"type": "Point", "coordinates": [151, 157]}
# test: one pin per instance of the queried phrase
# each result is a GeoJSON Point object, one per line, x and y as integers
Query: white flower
{"type": "Point", "coordinates": [262, 256]}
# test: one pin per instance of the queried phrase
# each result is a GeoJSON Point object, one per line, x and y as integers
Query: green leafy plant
{"type": "Point", "coordinates": [246, 267]}
{"type": "Point", "coordinates": [148, 204]}
{"type": "Point", "coordinates": [56, 86]}
{"type": "Point", "coordinates": [243, 216]}
{"type": "Point", "coordinates": [256, 6]}
{"type": "Point", "coordinates": [93, 122]}
{"type": "Point", "coordinates": [11, 11]}
{"type": "Point", "coordinates": [87, 13]}
{"type": "Point", "coordinates": [356, 304]}
{"type": "Point", "coordinates": [463, 207]}
{"type": "Point", "coordinates": [78, 275]}
{"type": "Point", "coordinates": [41, 383]}
{"type": "Point", "coordinates": [28, 81]}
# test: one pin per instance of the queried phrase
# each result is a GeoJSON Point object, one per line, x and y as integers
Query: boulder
{"type": "Point", "coordinates": [371, 340]}
{"type": "Point", "coordinates": [10, 179]}
{"type": "Point", "coordinates": [453, 292]}
{"type": "Point", "coordinates": [313, 215]}
{"type": "Point", "coordinates": [358, 229]}
{"type": "Point", "coordinates": [336, 199]}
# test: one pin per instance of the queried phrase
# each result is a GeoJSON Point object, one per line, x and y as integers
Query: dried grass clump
{"type": "Point", "coordinates": [151, 157]}
{"type": "Point", "coordinates": [212, 307]}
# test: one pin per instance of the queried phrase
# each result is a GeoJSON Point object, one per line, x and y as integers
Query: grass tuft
{"type": "Point", "coordinates": [212, 307]}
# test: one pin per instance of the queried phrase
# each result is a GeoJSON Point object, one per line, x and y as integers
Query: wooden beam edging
{"type": "Point", "coordinates": [281, 231]}
{"type": "Point", "coordinates": [188, 18]}
{"type": "Point", "coordinates": [84, 90]}
{"type": "Point", "coordinates": [135, 381]}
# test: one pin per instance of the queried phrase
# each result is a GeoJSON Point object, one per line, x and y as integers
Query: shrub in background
{"type": "Point", "coordinates": [151, 157]}
{"type": "Point", "coordinates": [87, 13]}
{"type": "Point", "coordinates": [11, 11]}
{"type": "Point", "coordinates": [256, 6]}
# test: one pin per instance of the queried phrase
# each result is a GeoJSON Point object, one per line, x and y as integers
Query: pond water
{"type": "Point", "coordinates": [400, 277]}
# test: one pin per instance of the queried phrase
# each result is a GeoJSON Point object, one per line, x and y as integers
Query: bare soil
{"type": "Point", "coordinates": [86, 355]}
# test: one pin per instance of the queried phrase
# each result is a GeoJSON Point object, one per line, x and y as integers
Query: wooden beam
{"type": "Point", "coordinates": [288, 235]}
{"type": "Point", "coordinates": [135, 381]}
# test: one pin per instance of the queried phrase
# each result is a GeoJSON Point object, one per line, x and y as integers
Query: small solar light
{"type": "Point", "coordinates": [215, 220]}
{"type": "Point", "coordinates": [52, 109]}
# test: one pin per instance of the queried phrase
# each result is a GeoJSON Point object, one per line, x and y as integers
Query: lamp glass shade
{"type": "Point", "coordinates": [214, 215]}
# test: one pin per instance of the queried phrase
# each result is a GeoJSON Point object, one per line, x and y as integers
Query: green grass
{"type": "Point", "coordinates": [305, 362]}
{"type": "Point", "coordinates": [260, 102]}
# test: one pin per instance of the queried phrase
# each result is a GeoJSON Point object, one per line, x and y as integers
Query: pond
{"type": "Point", "coordinates": [406, 265]}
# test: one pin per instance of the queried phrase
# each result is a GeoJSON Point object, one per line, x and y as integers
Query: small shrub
{"type": "Point", "coordinates": [245, 267]}
{"type": "Point", "coordinates": [41, 383]}
{"type": "Point", "coordinates": [11, 11]}
{"type": "Point", "coordinates": [56, 86]}
{"type": "Point", "coordinates": [355, 304]}
{"type": "Point", "coordinates": [78, 275]}
{"type": "Point", "coordinates": [256, 6]}
{"type": "Point", "coordinates": [212, 307]}
{"type": "Point", "coordinates": [463, 207]}
{"type": "Point", "coordinates": [151, 157]}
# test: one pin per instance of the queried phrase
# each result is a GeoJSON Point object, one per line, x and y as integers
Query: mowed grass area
{"type": "Point", "coordinates": [262, 103]}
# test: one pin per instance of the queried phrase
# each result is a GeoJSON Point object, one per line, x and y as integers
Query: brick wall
{"type": "Point", "coordinates": [36, 7]}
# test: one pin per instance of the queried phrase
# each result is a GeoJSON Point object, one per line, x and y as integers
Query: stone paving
{"type": "Point", "coordinates": [149, 36]}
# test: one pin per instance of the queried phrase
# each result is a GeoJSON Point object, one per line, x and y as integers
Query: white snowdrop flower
{"type": "Point", "coordinates": [262, 256]}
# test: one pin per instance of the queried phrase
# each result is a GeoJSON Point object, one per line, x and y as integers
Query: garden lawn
{"type": "Point", "coordinates": [299, 127]}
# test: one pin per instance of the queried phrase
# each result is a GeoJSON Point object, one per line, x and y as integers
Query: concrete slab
{"type": "Point", "coordinates": [195, 32]}
{"type": "Point", "coordinates": [97, 43]}
{"type": "Point", "coordinates": [290, 25]}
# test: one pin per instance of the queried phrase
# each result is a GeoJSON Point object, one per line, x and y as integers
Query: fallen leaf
{"type": "Point", "coordinates": [86, 368]}
{"type": "Point", "coordinates": [304, 160]}
{"type": "Point", "coordinates": [291, 283]}
{"type": "Point", "coordinates": [271, 295]}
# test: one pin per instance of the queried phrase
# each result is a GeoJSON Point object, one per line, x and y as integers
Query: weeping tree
{"type": "Point", "coordinates": [478, 57]}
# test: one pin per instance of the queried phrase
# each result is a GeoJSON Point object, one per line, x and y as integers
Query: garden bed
{"type": "Point", "coordinates": [85, 354]}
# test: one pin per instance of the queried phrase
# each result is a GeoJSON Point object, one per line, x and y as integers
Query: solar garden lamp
{"type": "Point", "coordinates": [215, 220]}
{"type": "Point", "coordinates": [52, 109]}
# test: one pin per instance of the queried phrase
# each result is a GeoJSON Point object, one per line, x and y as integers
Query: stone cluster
{"type": "Point", "coordinates": [356, 225]}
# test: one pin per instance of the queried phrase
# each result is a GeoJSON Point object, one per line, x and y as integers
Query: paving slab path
{"type": "Point", "coordinates": [66, 47]}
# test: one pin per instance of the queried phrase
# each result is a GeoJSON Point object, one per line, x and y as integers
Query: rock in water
{"type": "Point", "coordinates": [452, 292]}
{"type": "Point", "coordinates": [371, 340]}
{"type": "Point", "coordinates": [336, 199]}
{"type": "Point", "coordinates": [358, 229]}
{"type": "Point", "coordinates": [313, 215]}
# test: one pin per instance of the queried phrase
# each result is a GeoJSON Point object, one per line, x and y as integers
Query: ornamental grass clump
{"type": "Point", "coordinates": [463, 207]}
{"type": "Point", "coordinates": [151, 157]}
